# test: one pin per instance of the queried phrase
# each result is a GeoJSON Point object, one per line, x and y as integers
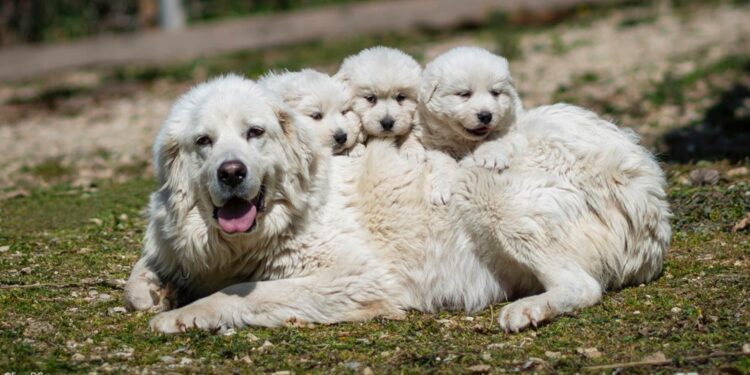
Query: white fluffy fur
{"type": "Point", "coordinates": [385, 85]}
{"type": "Point", "coordinates": [323, 101]}
{"type": "Point", "coordinates": [581, 209]}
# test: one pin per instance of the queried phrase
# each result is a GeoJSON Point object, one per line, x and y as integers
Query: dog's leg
{"type": "Point", "coordinates": [146, 291]}
{"type": "Point", "coordinates": [495, 154]}
{"type": "Point", "coordinates": [567, 287]}
{"type": "Point", "coordinates": [412, 148]}
{"type": "Point", "coordinates": [444, 171]}
{"type": "Point", "coordinates": [272, 303]}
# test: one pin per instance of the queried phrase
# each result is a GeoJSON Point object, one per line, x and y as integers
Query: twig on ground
{"type": "Point", "coordinates": [109, 283]}
{"type": "Point", "coordinates": [665, 362]}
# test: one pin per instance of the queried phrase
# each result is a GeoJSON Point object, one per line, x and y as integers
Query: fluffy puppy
{"type": "Point", "coordinates": [385, 85]}
{"type": "Point", "coordinates": [325, 104]}
{"type": "Point", "coordinates": [468, 107]}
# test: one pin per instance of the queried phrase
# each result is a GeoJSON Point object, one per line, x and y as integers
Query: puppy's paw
{"type": "Point", "coordinates": [519, 315]}
{"type": "Point", "coordinates": [357, 151]}
{"type": "Point", "coordinates": [441, 193]}
{"type": "Point", "coordinates": [414, 153]}
{"type": "Point", "coordinates": [496, 161]}
{"type": "Point", "coordinates": [194, 316]}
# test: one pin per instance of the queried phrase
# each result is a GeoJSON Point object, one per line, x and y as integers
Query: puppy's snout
{"type": "Point", "coordinates": [340, 137]}
{"type": "Point", "coordinates": [387, 122]}
{"type": "Point", "coordinates": [232, 173]}
{"type": "Point", "coordinates": [484, 117]}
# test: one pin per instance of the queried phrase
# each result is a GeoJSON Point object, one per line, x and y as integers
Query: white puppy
{"type": "Point", "coordinates": [324, 102]}
{"type": "Point", "coordinates": [385, 85]}
{"type": "Point", "coordinates": [468, 108]}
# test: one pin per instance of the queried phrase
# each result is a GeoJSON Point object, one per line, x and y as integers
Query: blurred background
{"type": "Point", "coordinates": [84, 85]}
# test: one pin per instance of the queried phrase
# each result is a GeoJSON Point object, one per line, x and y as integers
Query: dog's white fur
{"type": "Point", "coordinates": [456, 87]}
{"type": "Point", "coordinates": [324, 102]}
{"type": "Point", "coordinates": [580, 210]}
{"type": "Point", "coordinates": [385, 85]}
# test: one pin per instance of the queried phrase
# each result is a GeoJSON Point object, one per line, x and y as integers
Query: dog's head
{"type": "Point", "coordinates": [470, 90]}
{"type": "Point", "coordinates": [385, 84]}
{"type": "Point", "coordinates": [231, 149]}
{"type": "Point", "coordinates": [324, 103]}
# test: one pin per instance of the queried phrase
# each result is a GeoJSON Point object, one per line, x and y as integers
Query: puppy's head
{"type": "Point", "coordinates": [385, 84]}
{"type": "Point", "coordinates": [224, 149]}
{"type": "Point", "coordinates": [470, 90]}
{"type": "Point", "coordinates": [324, 103]}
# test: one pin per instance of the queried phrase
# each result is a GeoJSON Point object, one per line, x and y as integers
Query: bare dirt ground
{"type": "Point", "coordinates": [612, 60]}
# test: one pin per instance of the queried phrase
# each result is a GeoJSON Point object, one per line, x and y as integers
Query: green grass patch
{"type": "Point", "coordinates": [706, 277]}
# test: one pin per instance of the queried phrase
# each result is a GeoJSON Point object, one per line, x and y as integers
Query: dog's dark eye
{"type": "Point", "coordinates": [464, 94]}
{"type": "Point", "coordinates": [371, 98]}
{"type": "Point", "coordinates": [400, 97]}
{"type": "Point", "coordinates": [203, 140]}
{"type": "Point", "coordinates": [345, 112]}
{"type": "Point", "coordinates": [316, 116]}
{"type": "Point", "coordinates": [496, 93]}
{"type": "Point", "coordinates": [255, 131]}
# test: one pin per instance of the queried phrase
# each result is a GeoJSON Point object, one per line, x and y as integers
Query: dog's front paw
{"type": "Point", "coordinates": [519, 315]}
{"type": "Point", "coordinates": [194, 316]}
{"type": "Point", "coordinates": [357, 151]}
{"type": "Point", "coordinates": [441, 193]}
{"type": "Point", "coordinates": [496, 161]}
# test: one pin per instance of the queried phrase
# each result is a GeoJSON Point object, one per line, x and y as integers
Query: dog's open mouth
{"type": "Point", "coordinates": [480, 131]}
{"type": "Point", "coordinates": [239, 215]}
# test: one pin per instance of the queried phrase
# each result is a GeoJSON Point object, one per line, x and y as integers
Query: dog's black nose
{"type": "Point", "coordinates": [387, 122]}
{"type": "Point", "coordinates": [339, 137]}
{"type": "Point", "coordinates": [232, 172]}
{"type": "Point", "coordinates": [484, 117]}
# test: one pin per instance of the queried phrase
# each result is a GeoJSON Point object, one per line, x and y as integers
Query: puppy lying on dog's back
{"type": "Point", "coordinates": [468, 109]}
{"type": "Point", "coordinates": [385, 85]}
{"type": "Point", "coordinates": [324, 102]}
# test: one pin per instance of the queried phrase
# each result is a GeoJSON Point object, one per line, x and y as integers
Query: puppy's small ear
{"type": "Point", "coordinates": [285, 118]}
{"type": "Point", "coordinates": [430, 84]}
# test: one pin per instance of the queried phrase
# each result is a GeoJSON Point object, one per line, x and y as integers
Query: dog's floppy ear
{"type": "Point", "coordinates": [172, 174]}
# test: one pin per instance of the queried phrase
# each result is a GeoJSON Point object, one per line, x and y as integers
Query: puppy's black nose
{"type": "Point", "coordinates": [387, 123]}
{"type": "Point", "coordinates": [232, 172]}
{"type": "Point", "coordinates": [484, 117]}
{"type": "Point", "coordinates": [339, 137]}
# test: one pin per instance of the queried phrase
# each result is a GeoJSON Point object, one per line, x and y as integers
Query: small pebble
{"type": "Point", "coordinates": [368, 371]}
{"type": "Point", "coordinates": [78, 357]}
{"type": "Point", "coordinates": [746, 348]}
{"type": "Point", "coordinates": [167, 359]}
{"type": "Point", "coordinates": [26, 270]}
{"type": "Point", "coordinates": [4, 248]}
{"type": "Point", "coordinates": [479, 369]}
{"type": "Point", "coordinates": [553, 355]}
{"type": "Point", "coordinates": [675, 310]}
{"type": "Point", "coordinates": [589, 352]}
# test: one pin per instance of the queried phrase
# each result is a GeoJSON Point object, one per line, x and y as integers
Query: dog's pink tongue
{"type": "Point", "coordinates": [237, 216]}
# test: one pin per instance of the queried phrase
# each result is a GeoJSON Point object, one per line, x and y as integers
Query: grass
{"type": "Point", "coordinates": [88, 239]}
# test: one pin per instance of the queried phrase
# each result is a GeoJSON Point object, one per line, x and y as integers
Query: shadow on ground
{"type": "Point", "coordinates": [724, 132]}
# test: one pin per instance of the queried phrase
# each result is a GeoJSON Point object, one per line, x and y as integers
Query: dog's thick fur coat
{"type": "Point", "coordinates": [580, 210]}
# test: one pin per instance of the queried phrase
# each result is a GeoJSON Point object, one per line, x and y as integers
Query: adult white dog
{"type": "Point", "coordinates": [324, 102]}
{"type": "Point", "coordinates": [252, 218]}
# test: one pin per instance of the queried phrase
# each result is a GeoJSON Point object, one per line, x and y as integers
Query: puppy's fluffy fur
{"type": "Point", "coordinates": [385, 85]}
{"type": "Point", "coordinates": [468, 107]}
{"type": "Point", "coordinates": [324, 102]}
{"type": "Point", "coordinates": [580, 210]}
